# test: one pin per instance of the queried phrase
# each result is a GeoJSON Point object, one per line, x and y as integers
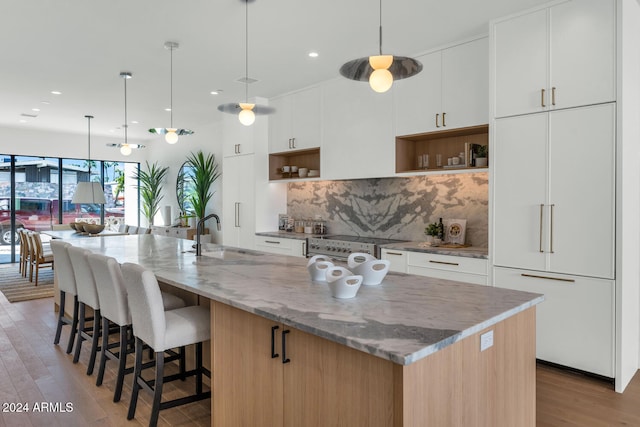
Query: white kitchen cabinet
{"type": "Point", "coordinates": [238, 138]}
{"type": "Point", "coordinates": [398, 259]}
{"type": "Point", "coordinates": [282, 246]}
{"type": "Point", "coordinates": [358, 140]}
{"type": "Point", "coordinates": [450, 92]}
{"type": "Point", "coordinates": [575, 325]}
{"type": "Point", "coordinates": [296, 123]}
{"type": "Point", "coordinates": [238, 201]}
{"type": "Point", "coordinates": [554, 191]}
{"type": "Point", "coordinates": [177, 232]}
{"type": "Point", "coordinates": [557, 57]}
{"type": "Point", "coordinates": [458, 268]}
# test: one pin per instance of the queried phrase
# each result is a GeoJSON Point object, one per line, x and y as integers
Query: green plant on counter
{"type": "Point", "coordinates": [150, 185]}
{"type": "Point", "coordinates": [203, 173]}
{"type": "Point", "coordinates": [431, 229]}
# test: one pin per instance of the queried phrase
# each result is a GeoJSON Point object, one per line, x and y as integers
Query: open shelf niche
{"type": "Point", "coordinates": [309, 158]}
{"type": "Point", "coordinates": [446, 143]}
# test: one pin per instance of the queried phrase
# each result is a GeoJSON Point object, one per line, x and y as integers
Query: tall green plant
{"type": "Point", "coordinates": [204, 171]}
{"type": "Point", "coordinates": [150, 185]}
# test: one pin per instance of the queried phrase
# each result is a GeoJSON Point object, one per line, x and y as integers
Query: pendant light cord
{"type": "Point", "coordinates": [380, 29]}
{"type": "Point", "coordinates": [89, 142]}
{"type": "Point", "coordinates": [125, 110]}
{"type": "Point", "coordinates": [171, 89]}
{"type": "Point", "coordinates": [246, 52]}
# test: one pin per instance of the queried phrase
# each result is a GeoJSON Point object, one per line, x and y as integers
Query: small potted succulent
{"type": "Point", "coordinates": [431, 231]}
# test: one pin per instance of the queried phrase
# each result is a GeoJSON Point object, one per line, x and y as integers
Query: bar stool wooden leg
{"type": "Point", "coordinates": [122, 363]}
{"type": "Point", "coordinates": [137, 370]}
{"type": "Point", "coordinates": [97, 320]}
{"type": "Point", "coordinates": [56, 340]}
{"type": "Point", "coordinates": [74, 325]}
{"type": "Point", "coordinates": [103, 352]}
{"type": "Point", "coordinates": [76, 354]}
{"type": "Point", "coordinates": [157, 389]}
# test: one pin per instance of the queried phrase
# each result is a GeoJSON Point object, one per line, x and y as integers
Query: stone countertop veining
{"type": "Point", "coordinates": [404, 319]}
{"type": "Point", "coordinates": [470, 252]}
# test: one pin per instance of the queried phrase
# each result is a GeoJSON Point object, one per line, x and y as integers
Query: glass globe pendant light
{"type": "Point", "coordinates": [125, 148]}
{"type": "Point", "coordinates": [171, 134]}
{"type": "Point", "coordinates": [381, 70]}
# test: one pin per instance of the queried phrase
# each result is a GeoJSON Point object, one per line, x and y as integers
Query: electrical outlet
{"type": "Point", "coordinates": [486, 340]}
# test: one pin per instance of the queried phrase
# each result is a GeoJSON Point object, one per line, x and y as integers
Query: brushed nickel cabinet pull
{"type": "Point", "coordinates": [553, 96]}
{"type": "Point", "coordinates": [293, 143]}
{"type": "Point", "coordinates": [437, 125]}
{"type": "Point", "coordinates": [237, 218]}
{"type": "Point", "coordinates": [272, 241]}
{"type": "Point", "coordinates": [551, 232]}
{"type": "Point", "coordinates": [304, 249]}
{"type": "Point", "coordinates": [535, 276]}
{"type": "Point", "coordinates": [542, 97]}
{"type": "Point", "coordinates": [541, 214]}
{"type": "Point", "coordinates": [444, 124]}
{"type": "Point", "coordinates": [393, 253]}
{"type": "Point", "coordinates": [443, 262]}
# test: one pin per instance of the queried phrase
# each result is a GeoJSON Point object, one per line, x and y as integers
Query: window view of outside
{"type": "Point", "coordinates": [44, 190]}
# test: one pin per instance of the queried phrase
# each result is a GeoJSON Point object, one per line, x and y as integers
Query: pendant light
{"type": "Point", "coordinates": [125, 147]}
{"type": "Point", "coordinates": [88, 192]}
{"type": "Point", "coordinates": [381, 70]}
{"type": "Point", "coordinates": [171, 134]}
{"type": "Point", "coordinates": [246, 111]}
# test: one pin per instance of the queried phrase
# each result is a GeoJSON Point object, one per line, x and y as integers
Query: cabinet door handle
{"type": "Point", "coordinates": [542, 97]}
{"type": "Point", "coordinates": [551, 231]}
{"type": "Point", "coordinates": [272, 241]}
{"type": "Point", "coordinates": [273, 341]}
{"type": "Point", "coordinates": [289, 143]}
{"type": "Point", "coordinates": [285, 359]}
{"type": "Point", "coordinates": [443, 262]}
{"type": "Point", "coordinates": [293, 143]}
{"type": "Point", "coordinates": [237, 218]}
{"type": "Point", "coordinates": [553, 96]}
{"type": "Point", "coordinates": [304, 249]}
{"type": "Point", "coordinates": [541, 215]}
{"type": "Point", "coordinates": [437, 116]}
{"type": "Point", "coordinates": [535, 276]}
{"type": "Point", "coordinates": [444, 123]}
{"type": "Point", "coordinates": [393, 253]}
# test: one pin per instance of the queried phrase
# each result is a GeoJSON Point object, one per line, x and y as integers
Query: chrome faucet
{"type": "Point", "coordinates": [200, 229]}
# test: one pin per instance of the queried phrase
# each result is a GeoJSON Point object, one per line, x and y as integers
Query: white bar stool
{"type": "Point", "coordinates": [162, 331]}
{"type": "Point", "coordinates": [67, 286]}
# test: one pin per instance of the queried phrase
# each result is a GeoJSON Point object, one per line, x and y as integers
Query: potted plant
{"type": "Point", "coordinates": [202, 172]}
{"type": "Point", "coordinates": [150, 186]}
{"type": "Point", "coordinates": [481, 156]}
{"type": "Point", "coordinates": [431, 231]}
{"type": "Point", "coordinates": [183, 188]}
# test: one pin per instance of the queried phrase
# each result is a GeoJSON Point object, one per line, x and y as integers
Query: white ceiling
{"type": "Point", "coordinates": [79, 47]}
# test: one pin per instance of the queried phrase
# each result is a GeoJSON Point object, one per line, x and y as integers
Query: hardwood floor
{"type": "Point", "coordinates": [33, 370]}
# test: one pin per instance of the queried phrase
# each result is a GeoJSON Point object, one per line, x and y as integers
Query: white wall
{"type": "Point", "coordinates": [628, 203]}
{"type": "Point", "coordinates": [206, 138]}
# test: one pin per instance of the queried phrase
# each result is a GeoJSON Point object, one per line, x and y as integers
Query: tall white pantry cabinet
{"type": "Point", "coordinates": [553, 209]}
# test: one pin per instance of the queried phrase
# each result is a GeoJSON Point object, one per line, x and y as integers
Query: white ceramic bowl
{"type": "Point", "coordinates": [373, 272]}
{"type": "Point", "coordinates": [318, 270]}
{"type": "Point", "coordinates": [357, 258]}
{"type": "Point", "coordinates": [302, 172]}
{"type": "Point", "coordinates": [343, 283]}
{"type": "Point", "coordinates": [318, 258]}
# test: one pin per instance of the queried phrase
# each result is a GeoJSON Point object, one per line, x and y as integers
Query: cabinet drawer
{"type": "Point", "coordinates": [448, 263]}
{"type": "Point", "coordinates": [277, 245]}
{"type": "Point", "coordinates": [398, 259]}
{"type": "Point", "coordinates": [575, 324]}
{"type": "Point", "coordinates": [476, 279]}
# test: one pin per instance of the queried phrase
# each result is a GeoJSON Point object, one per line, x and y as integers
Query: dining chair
{"type": "Point", "coordinates": [114, 308]}
{"type": "Point", "coordinates": [24, 251]}
{"type": "Point", "coordinates": [67, 286]}
{"type": "Point", "coordinates": [162, 330]}
{"type": "Point", "coordinates": [38, 257]}
{"type": "Point", "coordinates": [87, 297]}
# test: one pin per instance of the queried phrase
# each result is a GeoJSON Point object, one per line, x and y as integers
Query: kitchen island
{"type": "Point", "coordinates": [405, 353]}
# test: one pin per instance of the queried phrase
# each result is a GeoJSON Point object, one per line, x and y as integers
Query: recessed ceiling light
{"type": "Point", "coordinates": [135, 122]}
{"type": "Point", "coordinates": [167, 109]}
{"type": "Point", "coordinates": [22, 121]}
{"type": "Point", "coordinates": [215, 92]}
{"type": "Point", "coordinates": [45, 102]}
{"type": "Point", "coordinates": [35, 109]}
{"type": "Point", "coordinates": [313, 54]}
{"type": "Point", "coordinates": [55, 92]}
{"type": "Point", "coordinates": [112, 130]}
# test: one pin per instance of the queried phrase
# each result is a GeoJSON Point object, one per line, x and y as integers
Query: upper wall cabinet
{"type": "Point", "coordinates": [452, 91]}
{"type": "Point", "coordinates": [238, 139]}
{"type": "Point", "coordinates": [557, 57]}
{"type": "Point", "coordinates": [358, 139]}
{"type": "Point", "coordinates": [296, 123]}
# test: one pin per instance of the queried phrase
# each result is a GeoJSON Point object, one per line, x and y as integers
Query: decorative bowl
{"type": "Point", "coordinates": [93, 228]}
{"type": "Point", "coordinates": [343, 283]}
{"type": "Point", "coordinates": [73, 226]}
{"type": "Point", "coordinates": [80, 226]}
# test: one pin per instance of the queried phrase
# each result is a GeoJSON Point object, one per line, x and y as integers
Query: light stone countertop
{"type": "Point", "coordinates": [287, 234]}
{"type": "Point", "coordinates": [404, 319]}
{"type": "Point", "coordinates": [470, 252]}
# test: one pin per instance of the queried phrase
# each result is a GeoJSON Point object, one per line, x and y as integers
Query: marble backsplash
{"type": "Point", "coordinates": [395, 208]}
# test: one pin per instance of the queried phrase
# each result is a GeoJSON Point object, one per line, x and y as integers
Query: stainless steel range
{"type": "Point", "coordinates": [341, 246]}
